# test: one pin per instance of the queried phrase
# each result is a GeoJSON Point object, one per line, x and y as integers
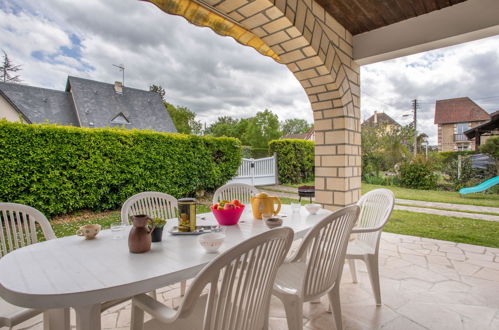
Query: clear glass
{"type": "Point", "coordinates": [117, 230]}
{"type": "Point", "coordinates": [462, 127]}
{"type": "Point", "coordinates": [295, 207]}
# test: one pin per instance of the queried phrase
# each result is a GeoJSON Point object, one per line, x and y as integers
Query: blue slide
{"type": "Point", "coordinates": [481, 187]}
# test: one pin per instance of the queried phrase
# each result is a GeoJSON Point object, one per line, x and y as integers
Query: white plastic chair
{"type": "Point", "coordinates": [240, 285]}
{"type": "Point", "coordinates": [154, 204]}
{"type": "Point", "coordinates": [240, 191]}
{"type": "Point", "coordinates": [316, 267]}
{"type": "Point", "coordinates": [17, 229]}
{"type": "Point", "coordinates": [375, 209]}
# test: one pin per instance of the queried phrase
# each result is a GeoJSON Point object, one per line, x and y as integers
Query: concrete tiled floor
{"type": "Point", "coordinates": [425, 283]}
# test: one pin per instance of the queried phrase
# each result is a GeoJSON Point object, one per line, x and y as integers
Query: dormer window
{"type": "Point", "coordinates": [120, 119]}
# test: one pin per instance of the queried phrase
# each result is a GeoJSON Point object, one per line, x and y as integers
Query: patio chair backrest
{"type": "Point", "coordinates": [240, 282]}
{"type": "Point", "coordinates": [240, 191]}
{"type": "Point", "coordinates": [323, 251]}
{"type": "Point", "coordinates": [152, 203]}
{"type": "Point", "coordinates": [376, 206]}
{"type": "Point", "coordinates": [18, 225]}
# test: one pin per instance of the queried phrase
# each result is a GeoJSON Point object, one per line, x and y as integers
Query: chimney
{"type": "Point", "coordinates": [375, 117]}
{"type": "Point", "coordinates": [118, 87]}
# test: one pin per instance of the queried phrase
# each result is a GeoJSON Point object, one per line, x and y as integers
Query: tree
{"type": "Point", "coordinates": [158, 89]}
{"type": "Point", "coordinates": [7, 68]}
{"type": "Point", "coordinates": [422, 139]}
{"type": "Point", "coordinates": [184, 119]}
{"type": "Point", "coordinates": [295, 126]}
{"type": "Point", "coordinates": [491, 147]}
{"type": "Point", "coordinates": [383, 148]}
{"type": "Point", "coordinates": [224, 126]}
{"type": "Point", "coordinates": [261, 129]}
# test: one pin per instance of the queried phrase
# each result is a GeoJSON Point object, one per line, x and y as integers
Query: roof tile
{"type": "Point", "coordinates": [459, 110]}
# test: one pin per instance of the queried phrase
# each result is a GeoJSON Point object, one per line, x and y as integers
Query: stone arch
{"type": "Point", "coordinates": [319, 52]}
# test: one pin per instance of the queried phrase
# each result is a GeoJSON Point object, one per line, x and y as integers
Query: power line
{"type": "Point", "coordinates": [473, 98]}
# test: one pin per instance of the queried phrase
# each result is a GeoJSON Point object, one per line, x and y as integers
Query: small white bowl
{"type": "Point", "coordinates": [313, 208]}
{"type": "Point", "coordinates": [211, 242]}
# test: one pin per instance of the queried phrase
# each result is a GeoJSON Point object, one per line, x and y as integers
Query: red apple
{"type": "Point", "coordinates": [236, 202]}
{"type": "Point", "coordinates": [215, 206]}
{"type": "Point", "coordinates": [229, 206]}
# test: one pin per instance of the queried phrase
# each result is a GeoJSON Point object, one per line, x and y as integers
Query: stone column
{"type": "Point", "coordinates": [318, 50]}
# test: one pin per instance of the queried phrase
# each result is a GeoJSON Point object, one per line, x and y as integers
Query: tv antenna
{"type": "Point", "coordinates": [122, 69]}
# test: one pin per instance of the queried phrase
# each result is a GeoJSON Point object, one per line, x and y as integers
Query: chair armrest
{"type": "Point", "coordinates": [366, 230]}
{"type": "Point", "coordinates": [156, 309]}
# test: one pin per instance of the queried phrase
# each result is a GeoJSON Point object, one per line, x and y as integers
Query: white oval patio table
{"type": "Point", "coordinates": [73, 272]}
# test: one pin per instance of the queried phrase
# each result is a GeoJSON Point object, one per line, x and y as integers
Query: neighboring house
{"type": "Point", "coordinates": [85, 103]}
{"type": "Point", "coordinates": [454, 117]}
{"type": "Point", "coordinates": [310, 135]}
{"type": "Point", "coordinates": [379, 119]}
{"type": "Point", "coordinates": [483, 132]}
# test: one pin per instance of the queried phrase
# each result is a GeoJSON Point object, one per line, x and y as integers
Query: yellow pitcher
{"type": "Point", "coordinates": [262, 203]}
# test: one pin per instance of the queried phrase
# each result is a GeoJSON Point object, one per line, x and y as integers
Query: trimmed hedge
{"type": "Point", "coordinates": [295, 159]}
{"type": "Point", "coordinates": [59, 169]}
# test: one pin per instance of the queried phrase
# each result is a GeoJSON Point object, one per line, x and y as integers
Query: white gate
{"type": "Point", "coordinates": [257, 172]}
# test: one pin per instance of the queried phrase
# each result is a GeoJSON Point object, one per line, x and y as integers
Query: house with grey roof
{"type": "Point", "coordinates": [85, 103]}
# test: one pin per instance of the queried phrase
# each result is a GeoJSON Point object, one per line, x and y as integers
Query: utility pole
{"type": "Point", "coordinates": [415, 111]}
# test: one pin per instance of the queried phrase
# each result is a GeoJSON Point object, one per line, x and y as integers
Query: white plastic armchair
{"type": "Point", "coordinates": [375, 209]}
{"type": "Point", "coordinates": [316, 267]}
{"type": "Point", "coordinates": [154, 204]}
{"type": "Point", "coordinates": [240, 285]}
{"type": "Point", "coordinates": [240, 191]}
{"type": "Point", "coordinates": [18, 224]}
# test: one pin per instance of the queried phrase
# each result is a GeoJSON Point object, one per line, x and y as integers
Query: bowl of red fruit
{"type": "Point", "coordinates": [228, 213]}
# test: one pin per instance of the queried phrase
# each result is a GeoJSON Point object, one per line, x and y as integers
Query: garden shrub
{"type": "Point", "coordinates": [295, 159]}
{"type": "Point", "coordinates": [59, 169]}
{"type": "Point", "coordinates": [418, 174]}
{"type": "Point", "coordinates": [382, 180]}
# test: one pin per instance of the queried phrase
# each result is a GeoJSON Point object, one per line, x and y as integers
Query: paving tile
{"type": "Point", "coordinates": [432, 316]}
{"type": "Point", "coordinates": [488, 274]}
{"type": "Point", "coordinates": [450, 286]}
{"type": "Point", "coordinates": [425, 284]}
{"type": "Point", "coordinates": [124, 318]}
{"type": "Point", "coordinates": [108, 321]}
{"type": "Point", "coordinates": [464, 268]}
{"type": "Point", "coordinates": [402, 322]}
{"type": "Point", "coordinates": [451, 249]}
{"type": "Point", "coordinates": [438, 260]}
{"type": "Point", "coordinates": [456, 256]}
{"type": "Point", "coordinates": [471, 248]}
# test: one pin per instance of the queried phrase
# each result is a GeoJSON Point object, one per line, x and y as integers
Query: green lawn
{"type": "Point", "coordinates": [478, 199]}
{"type": "Point", "coordinates": [448, 209]}
{"type": "Point", "coordinates": [477, 232]}
{"type": "Point", "coordinates": [296, 185]}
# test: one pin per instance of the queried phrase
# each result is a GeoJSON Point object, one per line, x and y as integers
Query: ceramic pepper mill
{"type": "Point", "coordinates": [139, 239]}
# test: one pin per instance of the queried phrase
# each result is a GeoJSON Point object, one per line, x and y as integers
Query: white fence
{"type": "Point", "coordinates": [257, 172]}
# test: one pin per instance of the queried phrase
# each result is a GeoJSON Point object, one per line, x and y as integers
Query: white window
{"type": "Point", "coordinates": [120, 119]}
{"type": "Point", "coordinates": [462, 127]}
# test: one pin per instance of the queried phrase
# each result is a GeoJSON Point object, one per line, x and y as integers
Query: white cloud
{"type": "Point", "coordinates": [463, 70]}
{"type": "Point", "coordinates": [216, 76]}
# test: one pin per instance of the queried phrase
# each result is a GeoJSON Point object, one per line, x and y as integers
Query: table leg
{"type": "Point", "coordinates": [88, 317]}
{"type": "Point", "coordinates": [56, 319]}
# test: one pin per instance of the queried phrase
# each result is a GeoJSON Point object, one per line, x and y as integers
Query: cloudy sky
{"type": "Point", "coordinates": [213, 75]}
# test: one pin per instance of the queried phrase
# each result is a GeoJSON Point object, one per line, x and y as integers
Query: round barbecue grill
{"type": "Point", "coordinates": [306, 191]}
